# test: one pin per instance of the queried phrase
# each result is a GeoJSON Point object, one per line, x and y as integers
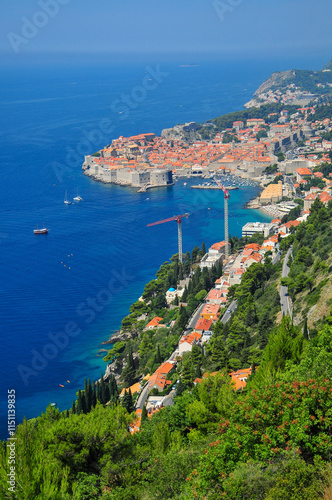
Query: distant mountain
{"type": "Point", "coordinates": [276, 80]}
{"type": "Point", "coordinates": [328, 66]}
{"type": "Point", "coordinates": [296, 81]}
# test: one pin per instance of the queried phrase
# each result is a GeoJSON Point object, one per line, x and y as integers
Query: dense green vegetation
{"type": "Point", "coordinates": [271, 441]}
{"type": "Point", "coordinates": [321, 112]}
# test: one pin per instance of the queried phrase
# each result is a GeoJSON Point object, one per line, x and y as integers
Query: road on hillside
{"type": "Point", "coordinates": [230, 309]}
{"type": "Point", "coordinates": [195, 317]}
{"type": "Point", "coordinates": [276, 258]}
{"type": "Point", "coordinates": [142, 398]}
{"type": "Point", "coordinates": [284, 298]}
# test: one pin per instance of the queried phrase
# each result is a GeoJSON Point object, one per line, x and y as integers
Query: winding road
{"type": "Point", "coordinates": [284, 298]}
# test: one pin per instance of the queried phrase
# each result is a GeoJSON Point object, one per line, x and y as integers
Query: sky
{"type": "Point", "coordinates": [227, 28]}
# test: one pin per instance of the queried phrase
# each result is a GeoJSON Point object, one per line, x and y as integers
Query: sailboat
{"type": "Point", "coordinates": [67, 202]}
{"type": "Point", "coordinates": [78, 197]}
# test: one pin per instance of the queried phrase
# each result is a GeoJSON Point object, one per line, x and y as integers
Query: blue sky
{"type": "Point", "coordinates": [229, 28]}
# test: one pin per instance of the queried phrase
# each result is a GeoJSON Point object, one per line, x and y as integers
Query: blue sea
{"type": "Point", "coordinates": [64, 293]}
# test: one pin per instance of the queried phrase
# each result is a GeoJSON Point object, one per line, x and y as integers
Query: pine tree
{"type": "Point", "coordinates": [206, 279]}
{"type": "Point", "coordinates": [305, 329]}
{"type": "Point", "coordinates": [196, 356]}
{"type": "Point", "coordinates": [186, 265]}
{"type": "Point", "coordinates": [88, 396]}
{"type": "Point", "coordinates": [219, 269]}
{"type": "Point", "coordinates": [104, 392]}
{"type": "Point", "coordinates": [127, 401]}
{"type": "Point", "coordinates": [218, 352]}
{"type": "Point", "coordinates": [73, 408]}
{"type": "Point", "coordinates": [124, 399]}
{"type": "Point", "coordinates": [185, 294]}
{"type": "Point", "coordinates": [94, 394]}
{"type": "Point", "coordinates": [128, 374]}
{"type": "Point", "coordinates": [113, 388]}
{"type": "Point", "coordinates": [183, 317]}
{"type": "Point", "coordinates": [213, 275]}
{"type": "Point", "coordinates": [144, 416]}
{"type": "Point", "coordinates": [176, 301]}
{"type": "Point", "coordinates": [176, 271]}
{"type": "Point", "coordinates": [158, 358]}
{"type": "Point", "coordinates": [188, 372]}
{"type": "Point", "coordinates": [194, 254]}
{"type": "Point", "coordinates": [203, 249]}
{"type": "Point", "coordinates": [79, 408]}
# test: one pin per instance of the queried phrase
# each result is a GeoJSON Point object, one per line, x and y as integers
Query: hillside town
{"type": "Point", "coordinates": [291, 146]}
{"type": "Point", "coordinates": [155, 391]}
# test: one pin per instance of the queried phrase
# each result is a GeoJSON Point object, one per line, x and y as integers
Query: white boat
{"type": "Point", "coordinates": [66, 201]}
{"type": "Point", "coordinates": [43, 230]}
{"type": "Point", "coordinates": [78, 197]}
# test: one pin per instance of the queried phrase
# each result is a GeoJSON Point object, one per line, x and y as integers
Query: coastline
{"type": "Point", "coordinates": [270, 209]}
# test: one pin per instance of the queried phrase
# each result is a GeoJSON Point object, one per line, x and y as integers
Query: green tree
{"type": "Point", "coordinates": [127, 401]}
{"type": "Point", "coordinates": [129, 373]}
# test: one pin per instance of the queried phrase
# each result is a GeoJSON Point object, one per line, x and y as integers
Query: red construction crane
{"type": "Point", "coordinates": [227, 196]}
{"type": "Point", "coordinates": [178, 219]}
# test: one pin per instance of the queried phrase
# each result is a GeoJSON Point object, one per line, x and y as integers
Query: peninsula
{"type": "Point", "coordinates": [276, 143]}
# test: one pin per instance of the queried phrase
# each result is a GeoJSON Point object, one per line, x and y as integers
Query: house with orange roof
{"type": "Point", "coordinates": [303, 173]}
{"type": "Point", "coordinates": [285, 228]}
{"type": "Point", "coordinates": [251, 122]}
{"type": "Point", "coordinates": [253, 246]}
{"type": "Point", "coordinates": [292, 223]}
{"type": "Point", "coordinates": [235, 276]}
{"type": "Point", "coordinates": [272, 241]}
{"type": "Point", "coordinates": [215, 254]}
{"type": "Point", "coordinates": [217, 296]}
{"type": "Point", "coordinates": [325, 198]}
{"type": "Point", "coordinates": [158, 379]}
{"type": "Point", "coordinates": [239, 378]}
{"type": "Point", "coordinates": [187, 342]}
{"type": "Point", "coordinates": [210, 311]}
{"type": "Point", "coordinates": [203, 325]}
{"type": "Point", "coordinates": [308, 200]}
{"type": "Point", "coordinates": [133, 389]}
{"type": "Point", "coordinates": [154, 323]}
{"type": "Point", "coordinates": [247, 251]}
{"type": "Point", "coordinates": [265, 249]}
{"type": "Point", "coordinates": [251, 259]}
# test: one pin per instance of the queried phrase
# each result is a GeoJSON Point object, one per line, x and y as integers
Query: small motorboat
{"type": "Point", "coordinates": [43, 230]}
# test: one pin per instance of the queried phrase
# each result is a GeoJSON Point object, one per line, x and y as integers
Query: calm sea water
{"type": "Point", "coordinates": [82, 277]}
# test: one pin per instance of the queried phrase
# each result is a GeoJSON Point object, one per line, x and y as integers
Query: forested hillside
{"type": "Point", "coordinates": [273, 440]}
